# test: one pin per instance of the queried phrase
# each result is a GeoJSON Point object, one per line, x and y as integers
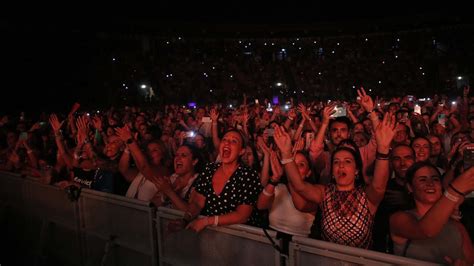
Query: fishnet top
{"type": "Point", "coordinates": [346, 218]}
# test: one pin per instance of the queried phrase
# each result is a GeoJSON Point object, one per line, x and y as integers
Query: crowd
{"type": "Point", "coordinates": [388, 174]}
{"type": "Point", "coordinates": [183, 69]}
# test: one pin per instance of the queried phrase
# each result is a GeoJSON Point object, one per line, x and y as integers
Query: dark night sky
{"type": "Point", "coordinates": [47, 61]}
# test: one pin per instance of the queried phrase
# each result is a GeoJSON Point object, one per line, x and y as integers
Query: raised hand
{"type": "Point", "coordinates": [365, 100]}
{"type": "Point", "coordinates": [74, 108]}
{"type": "Point", "coordinates": [214, 115]}
{"type": "Point", "coordinates": [55, 124]}
{"type": "Point", "coordinates": [277, 170]}
{"type": "Point", "coordinates": [82, 124]}
{"type": "Point", "coordinates": [283, 141]}
{"type": "Point", "coordinates": [304, 112]}
{"type": "Point", "coordinates": [124, 133]}
{"type": "Point", "coordinates": [97, 122]}
{"type": "Point", "coordinates": [327, 112]}
{"type": "Point", "coordinates": [385, 132]}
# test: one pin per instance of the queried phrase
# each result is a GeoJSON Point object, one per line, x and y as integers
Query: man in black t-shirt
{"type": "Point", "coordinates": [396, 196]}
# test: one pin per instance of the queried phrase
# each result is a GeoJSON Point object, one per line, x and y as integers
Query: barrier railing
{"type": "Point", "coordinates": [117, 230]}
{"type": "Point", "coordinates": [54, 220]}
{"type": "Point", "coordinates": [106, 229]}
{"type": "Point", "coordinates": [228, 245]}
{"type": "Point", "coordinates": [305, 251]}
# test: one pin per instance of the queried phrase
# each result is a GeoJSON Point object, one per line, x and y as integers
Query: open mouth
{"type": "Point", "coordinates": [179, 165]}
{"type": "Point", "coordinates": [226, 152]}
{"type": "Point", "coordinates": [341, 174]}
{"type": "Point", "coordinates": [430, 191]}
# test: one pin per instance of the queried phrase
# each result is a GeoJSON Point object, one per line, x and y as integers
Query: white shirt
{"type": "Point", "coordinates": [284, 217]}
{"type": "Point", "coordinates": [141, 188]}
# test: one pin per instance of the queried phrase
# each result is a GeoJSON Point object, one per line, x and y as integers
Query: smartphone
{"type": "Point", "coordinates": [206, 119]}
{"type": "Point", "coordinates": [410, 98]}
{"type": "Point", "coordinates": [190, 134]}
{"type": "Point", "coordinates": [442, 119]}
{"type": "Point", "coordinates": [468, 157]}
{"type": "Point", "coordinates": [340, 111]}
{"type": "Point", "coordinates": [417, 109]}
{"type": "Point", "coordinates": [42, 123]}
{"type": "Point", "coordinates": [23, 135]}
{"type": "Point", "coordinates": [270, 132]}
{"type": "Point", "coordinates": [308, 139]}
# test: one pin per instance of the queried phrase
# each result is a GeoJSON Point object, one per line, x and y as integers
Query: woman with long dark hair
{"type": "Point", "coordinates": [347, 208]}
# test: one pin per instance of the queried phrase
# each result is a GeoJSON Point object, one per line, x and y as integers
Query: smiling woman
{"type": "Point", "coordinates": [428, 232]}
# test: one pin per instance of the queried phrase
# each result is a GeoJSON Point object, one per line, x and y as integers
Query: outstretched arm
{"type": "Point", "coordinates": [384, 134]}
{"type": "Point", "coordinates": [314, 193]}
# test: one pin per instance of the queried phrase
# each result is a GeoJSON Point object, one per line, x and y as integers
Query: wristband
{"type": "Point", "coordinates": [130, 141]}
{"type": "Point", "coordinates": [290, 118]}
{"type": "Point", "coordinates": [382, 156]}
{"type": "Point", "coordinates": [455, 190]}
{"type": "Point", "coordinates": [216, 221]}
{"type": "Point", "coordinates": [451, 197]}
{"type": "Point", "coordinates": [286, 161]}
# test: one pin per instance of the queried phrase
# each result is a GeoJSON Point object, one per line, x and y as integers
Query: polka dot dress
{"type": "Point", "coordinates": [242, 188]}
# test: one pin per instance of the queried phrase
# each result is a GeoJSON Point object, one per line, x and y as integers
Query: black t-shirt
{"type": "Point", "coordinates": [243, 187]}
{"type": "Point", "coordinates": [96, 179]}
{"type": "Point", "coordinates": [396, 199]}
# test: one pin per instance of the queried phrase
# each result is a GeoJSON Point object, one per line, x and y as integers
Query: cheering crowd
{"type": "Point", "coordinates": [388, 174]}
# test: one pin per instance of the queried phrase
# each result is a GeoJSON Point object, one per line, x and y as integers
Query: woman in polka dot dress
{"type": "Point", "coordinates": [226, 192]}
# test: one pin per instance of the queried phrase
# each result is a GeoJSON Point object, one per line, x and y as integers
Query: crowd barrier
{"type": "Point", "coordinates": [106, 229]}
{"type": "Point", "coordinates": [117, 229]}
{"type": "Point", "coordinates": [306, 251]}
{"type": "Point", "coordinates": [229, 245]}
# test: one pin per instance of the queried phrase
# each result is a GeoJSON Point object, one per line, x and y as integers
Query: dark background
{"type": "Point", "coordinates": [49, 61]}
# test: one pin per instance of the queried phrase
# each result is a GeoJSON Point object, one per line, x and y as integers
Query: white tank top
{"type": "Point", "coordinates": [285, 218]}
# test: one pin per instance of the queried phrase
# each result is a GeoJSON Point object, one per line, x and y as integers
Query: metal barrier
{"type": "Point", "coordinates": [305, 251]}
{"type": "Point", "coordinates": [11, 190]}
{"type": "Point", "coordinates": [117, 230]}
{"type": "Point", "coordinates": [54, 222]}
{"type": "Point", "coordinates": [106, 229]}
{"type": "Point", "coordinates": [227, 245]}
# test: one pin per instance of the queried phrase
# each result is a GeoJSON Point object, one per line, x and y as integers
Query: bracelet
{"type": "Point", "coordinates": [286, 161]}
{"type": "Point", "coordinates": [450, 196]}
{"type": "Point", "coordinates": [455, 190]}
{"type": "Point", "coordinates": [290, 118]}
{"type": "Point", "coordinates": [129, 141]}
{"type": "Point", "coordinates": [216, 221]}
{"type": "Point", "coordinates": [266, 193]}
{"type": "Point", "coordinates": [382, 156]}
